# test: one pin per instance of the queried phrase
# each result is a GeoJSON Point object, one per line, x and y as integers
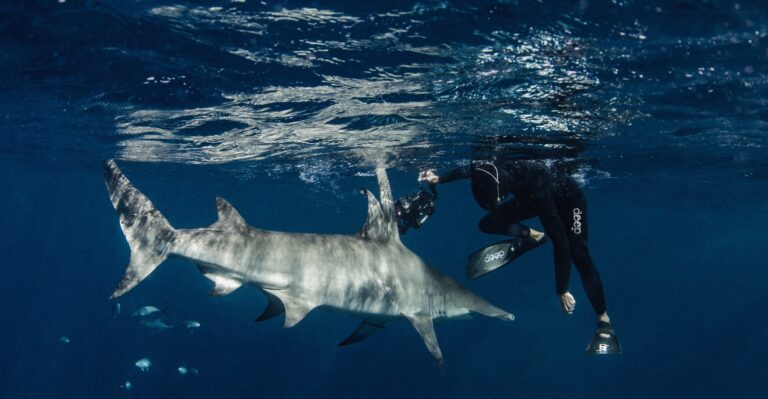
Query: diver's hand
{"type": "Point", "coordinates": [567, 302]}
{"type": "Point", "coordinates": [429, 176]}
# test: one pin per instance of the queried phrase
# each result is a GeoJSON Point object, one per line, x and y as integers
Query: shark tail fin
{"type": "Point", "coordinates": [147, 231]}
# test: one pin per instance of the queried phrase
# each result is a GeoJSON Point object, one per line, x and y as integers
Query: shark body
{"type": "Point", "coordinates": [370, 274]}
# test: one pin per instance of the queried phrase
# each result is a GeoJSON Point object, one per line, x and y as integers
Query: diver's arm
{"type": "Point", "coordinates": [459, 173]}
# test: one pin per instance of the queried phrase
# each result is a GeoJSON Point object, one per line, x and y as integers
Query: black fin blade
{"type": "Point", "coordinates": [499, 254]}
{"type": "Point", "coordinates": [605, 341]}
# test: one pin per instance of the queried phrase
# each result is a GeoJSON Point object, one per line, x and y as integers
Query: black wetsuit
{"type": "Point", "coordinates": [557, 199]}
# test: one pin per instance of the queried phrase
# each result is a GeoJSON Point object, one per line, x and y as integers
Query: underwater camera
{"type": "Point", "coordinates": [414, 209]}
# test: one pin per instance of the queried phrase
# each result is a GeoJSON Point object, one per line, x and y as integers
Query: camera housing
{"type": "Point", "coordinates": [414, 209]}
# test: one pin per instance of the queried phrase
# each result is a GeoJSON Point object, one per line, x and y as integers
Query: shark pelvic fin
{"type": "Point", "coordinates": [425, 328]}
{"type": "Point", "coordinates": [295, 309]}
{"type": "Point", "coordinates": [381, 223]}
{"type": "Point", "coordinates": [229, 217]}
{"type": "Point", "coordinates": [274, 308]}
{"type": "Point", "coordinates": [363, 331]}
{"type": "Point", "coordinates": [222, 285]}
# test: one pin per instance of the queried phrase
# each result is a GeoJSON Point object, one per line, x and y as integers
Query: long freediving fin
{"type": "Point", "coordinates": [363, 331]}
{"type": "Point", "coordinates": [499, 254]}
{"type": "Point", "coordinates": [425, 328]}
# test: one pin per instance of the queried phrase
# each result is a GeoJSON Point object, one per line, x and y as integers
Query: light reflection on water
{"type": "Point", "coordinates": [431, 83]}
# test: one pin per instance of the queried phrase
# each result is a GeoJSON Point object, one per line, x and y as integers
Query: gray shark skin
{"type": "Point", "coordinates": [370, 274]}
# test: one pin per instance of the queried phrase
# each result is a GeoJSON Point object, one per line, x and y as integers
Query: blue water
{"type": "Point", "coordinates": [284, 108]}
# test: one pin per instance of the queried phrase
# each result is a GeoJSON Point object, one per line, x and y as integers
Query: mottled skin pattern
{"type": "Point", "coordinates": [371, 274]}
{"type": "Point", "coordinates": [346, 273]}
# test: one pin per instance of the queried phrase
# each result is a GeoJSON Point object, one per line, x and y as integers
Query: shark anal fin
{"type": "Point", "coordinates": [363, 331]}
{"type": "Point", "coordinates": [425, 328]}
{"type": "Point", "coordinates": [274, 308]}
{"type": "Point", "coordinates": [229, 217]}
{"type": "Point", "coordinates": [295, 309]}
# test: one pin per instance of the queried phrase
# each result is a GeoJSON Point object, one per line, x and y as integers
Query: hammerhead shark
{"type": "Point", "coordinates": [370, 274]}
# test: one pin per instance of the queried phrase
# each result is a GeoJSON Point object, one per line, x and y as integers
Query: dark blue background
{"type": "Point", "coordinates": [664, 101]}
{"type": "Point", "coordinates": [681, 268]}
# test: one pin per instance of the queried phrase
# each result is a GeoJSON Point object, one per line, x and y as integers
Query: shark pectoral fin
{"type": "Point", "coordinates": [425, 328]}
{"type": "Point", "coordinates": [222, 285]}
{"type": "Point", "coordinates": [363, 331]}
{"type": "Point", "coordinates": [229, 217]}
{"type": "Point", "coordinates": [295, 309]}
{"type": "Point", "coordinates": [274, 307]}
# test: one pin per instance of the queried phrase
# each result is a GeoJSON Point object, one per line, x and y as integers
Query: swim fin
{"type": "Point", "coordinates": [605, 341]}
{"type": "Point", "coordinates": [499, 254]}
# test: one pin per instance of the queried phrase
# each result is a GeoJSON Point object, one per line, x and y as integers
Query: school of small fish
{"type": "Point", "coordinates": [156, 319]}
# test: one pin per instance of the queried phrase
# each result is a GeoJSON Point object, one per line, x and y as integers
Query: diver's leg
{"type": "Point", "coordinates": [572, 207]}
{"type": "Point", "coordinates": [504, 220]}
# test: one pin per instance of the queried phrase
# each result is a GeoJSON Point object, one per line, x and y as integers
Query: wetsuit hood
{"type": "Point", "coordinates": [490, 184]}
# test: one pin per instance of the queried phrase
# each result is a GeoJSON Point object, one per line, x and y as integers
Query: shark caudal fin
{"type": "Point", "coordinates": [148, 233]}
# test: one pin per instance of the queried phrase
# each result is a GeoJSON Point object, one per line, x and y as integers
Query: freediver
{"type": "Point", "coordinates": [555, 196]}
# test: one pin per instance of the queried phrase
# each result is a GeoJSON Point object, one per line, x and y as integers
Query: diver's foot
{"type": "Point", "coordinates": [605, 340]}
{"type": "Point", "coordinates": [603, 318]}
{"type": "Point", "coordinates": [604, 330]}
{"type": "Point", "coordinates": [536, 235]}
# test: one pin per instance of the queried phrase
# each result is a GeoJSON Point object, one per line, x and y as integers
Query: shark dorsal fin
{"type": "Point", "coordinates": [374, 228]}
{"type": "Point", "coordinates": [381, 223]}
{"type": "Point", "coordinates": [229, 217]}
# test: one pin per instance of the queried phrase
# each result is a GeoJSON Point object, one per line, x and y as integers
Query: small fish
{"type": "Point", "coordinates": [127, 386]}
{"type": "Point", "coordinates": [146, 311]}
{"type": "Point", "coordinates": [191, 324]}
{"type": "Point", "coordinates": [184, 370]}
{"type": "Point", "coordinates": [116, 310]}
{"type": "Point", "coordinates": [64, 340]}
{"type": "Point", "coordinates": [157, 324]}
{"type": "Point", "coordinates": [143, 364]}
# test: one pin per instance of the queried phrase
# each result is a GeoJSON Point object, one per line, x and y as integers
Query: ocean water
{"type": "Point", "coordinates": [284, 108]}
